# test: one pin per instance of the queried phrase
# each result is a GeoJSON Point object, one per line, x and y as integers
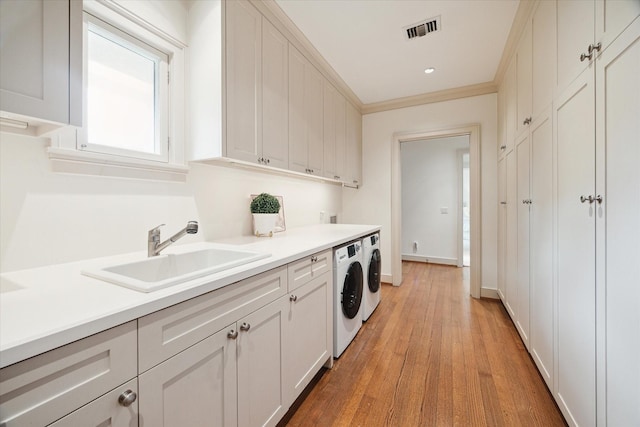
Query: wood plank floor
{"type": "Point", "coordinates": [430, 355]}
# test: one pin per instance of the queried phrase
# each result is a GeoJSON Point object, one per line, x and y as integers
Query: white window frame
{"type": "Point", "coordinates": [67, 149]}
{"type": "Point", "coordinates": [161, 91]}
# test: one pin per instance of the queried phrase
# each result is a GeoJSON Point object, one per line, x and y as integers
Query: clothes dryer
{"type": "Point", "coordinates": [348, 288]}
{"type": "Point", "coordinates": [372, 265]}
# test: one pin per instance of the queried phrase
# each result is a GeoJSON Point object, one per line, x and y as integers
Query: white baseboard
{"type": "Point", "coordinates": [386, 278]}
{"type": "Point", "coordinates": [429, 259]}
{"type": "Point", "coordinates": [489, 293]}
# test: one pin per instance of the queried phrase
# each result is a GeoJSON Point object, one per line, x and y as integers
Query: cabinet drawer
{"type": "Point", "coordinates": [105, 411]}
{"type": "Point", "coordinates": [308, 268]}
{"type": "Point", "coordinates": [43, 389]}
{"type": "Point", "coordinates": [167, 332]}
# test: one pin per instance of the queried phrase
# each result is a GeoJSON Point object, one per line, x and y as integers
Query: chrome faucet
{"type": "Point", "coordinates": [154, 245]}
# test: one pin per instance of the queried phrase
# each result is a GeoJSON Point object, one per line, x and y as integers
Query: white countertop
{"type": "Point", "coordinates": [47, 307]}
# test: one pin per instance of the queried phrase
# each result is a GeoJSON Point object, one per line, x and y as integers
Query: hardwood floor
{"type": "Point", "coordinates": [431, 355]}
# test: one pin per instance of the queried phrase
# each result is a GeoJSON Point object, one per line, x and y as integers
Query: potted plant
{"type": "Point", "coordinates": [265, 209]}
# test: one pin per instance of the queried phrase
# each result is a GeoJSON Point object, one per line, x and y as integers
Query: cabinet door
{"type": "Point", "coordinates": [329, 130]}
{"type": "Point", "coordinates": [314, 107]}
{"type": "Point", "coordinates": [502, 226]}
{"type": "Point", "coordinates": [522, 253]}
{"type": "Point", "coordinates": [244, 72]}
{"type": "Point", "coordinates": [194, 388]}
{"type": "Point", "coordinates": [524, 80]}
{"type": "Point", "coordinates": [543, 34]}
{"type": "Point", "coordinates": [275, 96]}
{"type": "Point", "coordinates": [298, 129]}
{"type": "Point", "coordinates": [575, 329]}
{"type": "Point", "coordinates": [612, 17]}
{"type": "Point", "coordinates": [34, 59]}
{"type": "Point", "coordinates": [106, 410]}
{"type": "Point", "coordinates": [44, 388]}
{"type": "Point", "coordinates": [354, 146]}
{"type": "Point", "coordinates": [618, 229]}
{"type": "Point", "coordinates": [541, 238]}
{"type": "Point", "coordinates": [340, 112]}
{"type": "Point", "coordinates": [510, 106]}
{"type": "Point", "coordinates": [575, 26]}
{"type": "Point", "coordinates": [511, 237]}
{"type": "Point", "coordinates": [262, 398]}
{"type": "Point", "coordinates": [310, 328]}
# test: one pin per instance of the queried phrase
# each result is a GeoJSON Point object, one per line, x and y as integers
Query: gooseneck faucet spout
{"type": "Point", "coordinates": [154, 245]}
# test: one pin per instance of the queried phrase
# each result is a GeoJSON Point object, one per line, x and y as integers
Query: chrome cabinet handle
{"type": "Point", "coordinates": [127, 398]}
{"type": "Point", "coordinates": [591, 199]}
{"type": "Point", "coordinates": [232, 334]}
{"type": "Point", "coordinates": [503, 203]}
{"type": "Point", "coordinates": [592, 48]}
{"type": "Point", "coordinates": [245, 327]}
{"type": "Point", "coordinates": [527, 201]}
{"type": "Point", "coordinates": [293, 298]}
{"type": "Point", "coordinates": [503, 147]}
{"type": "Point", "coordinates": [314, 259]}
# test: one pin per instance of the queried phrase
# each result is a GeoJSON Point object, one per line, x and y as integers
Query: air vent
{"type": "Point", "coordinates": [422, 29]}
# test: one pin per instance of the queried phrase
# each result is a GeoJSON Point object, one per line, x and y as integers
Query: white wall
{"type": "Point", "coordinates": [430, 182]}
{"type": "Point", "coordinates": [371, 204]}
{"type": "Point", "coordinates": [48, 217]}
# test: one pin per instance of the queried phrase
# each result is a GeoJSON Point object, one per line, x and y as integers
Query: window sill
{"type": "Point", "coordinates": [86, 163]}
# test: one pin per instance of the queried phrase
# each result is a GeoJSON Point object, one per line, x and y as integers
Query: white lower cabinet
{"type": "Point", "coordinates": [196, 387]}
{"type": "Point", "coordinates": [237, 356]}
{"type": "Point", "coordinates": [310, 332]}
{"type": "Point", "coordinates": [45, 388]}
{"type": "Point", "coordinates": [261, 345]}
{"type": "Point", "coordinates": [249, 372]}
{"type": "Point", "coordinates": [118, 408]}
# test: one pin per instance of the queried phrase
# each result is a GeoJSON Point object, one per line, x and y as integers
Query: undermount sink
{"type": "Point", "coordinates": [161, 271]}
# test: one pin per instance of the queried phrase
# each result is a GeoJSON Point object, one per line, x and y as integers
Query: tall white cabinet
{"type": "Point", "coordinates": [617, 180]}
{"type": "Point", "coordinates": [571, 170]}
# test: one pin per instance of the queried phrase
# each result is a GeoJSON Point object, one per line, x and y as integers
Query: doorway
{"type": "Point", "coordinates": [433, 201]}
{"type": "Point", "coordinates": [475, 216]}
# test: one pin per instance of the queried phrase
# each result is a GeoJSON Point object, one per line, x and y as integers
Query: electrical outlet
{"type": "Point", "coordinates": [444, 210]}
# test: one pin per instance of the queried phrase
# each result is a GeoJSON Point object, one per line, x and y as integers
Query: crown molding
{"type": "Point", "coordinates": [429, 98]}
{"type": "Point", "coordinates": [523, 15]}
{"type": "Point", "coordinates": [277, 17]}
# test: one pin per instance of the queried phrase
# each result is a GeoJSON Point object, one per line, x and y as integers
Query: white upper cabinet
{"type": "Point", "coordinates": [244, 78]}
{"type": "Point", "coordinates": [334, 132]}
{"type": "Point", "coordinates": [353, 168]}
{"type": "Point", "coordinates": [575, 24]}
{"type": "Point", "coordinates": [306, 149]}
{"type": "Point", "coordinates": [524, 79]}
{"type": "Point", "coordinates": [40, 61]}
{"type": "Point", "coordinates": [543, 34]}
{"type": "Point", "coordinates": [275, 97]}
{"type": "Point", "coordinates": [585, 29]}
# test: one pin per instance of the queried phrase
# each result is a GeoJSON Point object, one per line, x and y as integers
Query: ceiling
{"type": "Point", "coordinates": [366, 44]}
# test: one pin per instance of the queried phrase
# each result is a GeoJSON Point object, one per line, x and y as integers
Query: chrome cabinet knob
{"type": "Point", "coordinates": [232, 334]}
{"type": "Point", "coordinates": [589, 199]}
{"type": "Point", "coordinates": [245, 327]}
{"type": "Point", "coordinates": [293, 298]}
{"type": "Point", "coordinates": [599, 197]}
{"type": "Point", "coordinates": [127, 398]}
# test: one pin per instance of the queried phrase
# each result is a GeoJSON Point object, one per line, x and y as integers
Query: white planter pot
{"type": "Point", "coordinates": [264, 224]}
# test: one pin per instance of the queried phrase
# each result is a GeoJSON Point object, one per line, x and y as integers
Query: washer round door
{"type": "Point", "coordinates": [352, 290]}
{"type": "Point", "coordinates": [374, 271]}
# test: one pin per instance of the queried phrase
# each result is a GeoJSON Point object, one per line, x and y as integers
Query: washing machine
{"type": "Point", "coordinates": [372, 264]}
{"type": "Point", "coordinates": [348, 288]}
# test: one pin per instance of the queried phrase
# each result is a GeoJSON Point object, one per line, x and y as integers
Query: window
{"type": "Point", "coordinates": [133, 94]}
{"type": "Point", "coordinates": [126, 86]}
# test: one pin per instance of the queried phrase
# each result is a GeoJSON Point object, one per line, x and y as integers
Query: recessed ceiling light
{"type": "Point", "coordinates": [429, 70]}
